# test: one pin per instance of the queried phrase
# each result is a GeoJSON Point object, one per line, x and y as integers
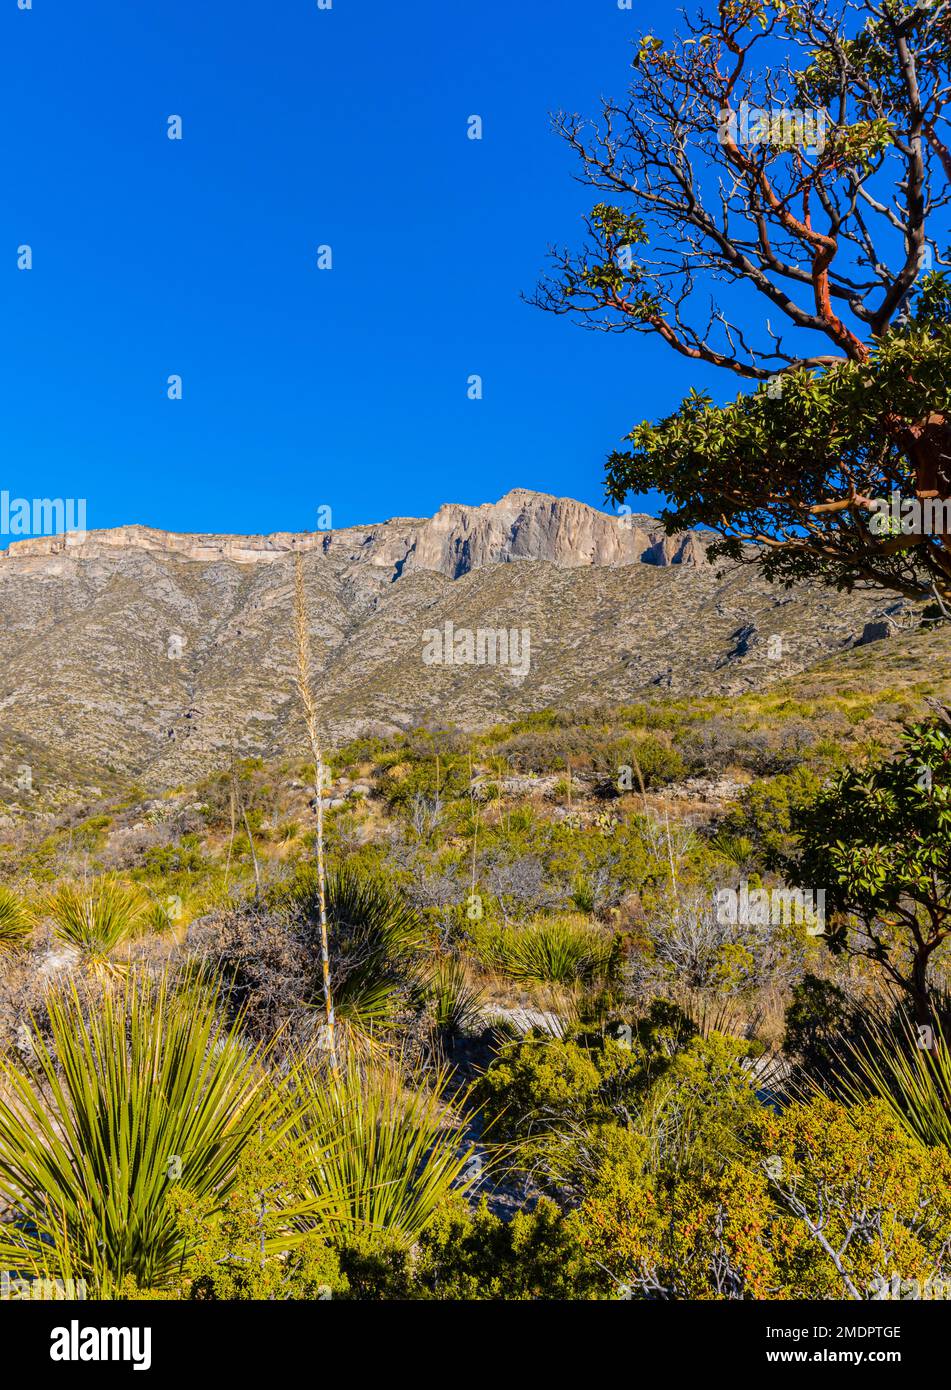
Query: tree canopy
{"type": "Point", "coordinates": [773, 201]}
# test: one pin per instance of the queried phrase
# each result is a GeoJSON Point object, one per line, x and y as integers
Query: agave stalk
{"type": "Point", "coordinates": [306, 694]}
{"type": "Point", "coordinates": [236, 800]}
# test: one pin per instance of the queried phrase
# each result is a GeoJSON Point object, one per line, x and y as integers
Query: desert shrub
{"type": "Point", "coordinates": [246, 1242]}
{"type": "Point", "coordinates": [685, 946]}
{"type": "Point", "coordinates": [823, 1202]}
{"type": "Point", "coordinates": [764, 814]}
{"type": "Point", "coordinates": [546, 1101]}
{"type": "Point", "coordinates": [623, 765]}
{"type": "Point", "coordinates": [269, 953]}
{"type": "Point", "coordinates": [834, 1169]}
{"type": "Point", "coordinates": [129, 845]}
{"type": "Point", "coordinates": [534, 1079]}
{"type": "Point", "coordinates": [357, 753]}
{"type": "Point", "coordinates": [818, 1017]}
{"type": "Point", "coordinates": [184, 857]}
{"type": "Point", "coordinates": [682, 1101]}
{"type": "Point", "coordinates": [697, 1112]}
{"type": "Point", "coordinates": [475, 1255]}
{"type": "Point", "coordinates": [691, 1236]}
{"type": "Point", "coordinates": [216, 793]}
{"type": "Point", "coordinates": [402, 784]}
{"type": "Point", "coordinates": [519, 883]}
{"type": "Point", "coordinates": [658, 761]}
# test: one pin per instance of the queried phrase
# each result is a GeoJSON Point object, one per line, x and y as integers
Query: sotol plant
{"type": "Point", "coordinates": [375, 935]}
{"type": "Point", "coordinates": [457, 1003]}
{"type": "Point", "coordinates": [558, 951]}
{"type": "Point", "coordinates": [385, 1157]}
{"type": "Point", "coordinates": [910, 1071]}
{"type": "Point", "coordinates": [146, 1092]}
{"type": "Point", "coordinates": [16, 921]}
{"type": "Point", "coordinates": [96, 918]}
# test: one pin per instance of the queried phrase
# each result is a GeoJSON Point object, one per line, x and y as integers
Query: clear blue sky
{"type": "Point", "coordinates": [303, 388]}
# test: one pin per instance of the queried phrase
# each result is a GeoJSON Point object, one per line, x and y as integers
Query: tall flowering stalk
{"type": "Point", "coordinates": [306, 694]}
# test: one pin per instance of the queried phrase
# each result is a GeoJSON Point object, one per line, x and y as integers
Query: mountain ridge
{"type": "Point", "coordinates": [456, 539]}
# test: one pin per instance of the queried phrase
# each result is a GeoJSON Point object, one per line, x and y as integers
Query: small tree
{"type": "Point", "coordinates": [794, 152]}
{"type": "Point", "coordinates": [878, 839]}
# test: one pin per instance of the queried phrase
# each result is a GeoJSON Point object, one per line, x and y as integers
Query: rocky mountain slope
{"type": "Point", "coordinates": [136, 652]}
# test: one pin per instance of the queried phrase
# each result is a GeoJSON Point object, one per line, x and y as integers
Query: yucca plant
{"type": "Point", "coordinates": [16, 921]}
{"type": "Point", "coordinates": [96, 918]}
{"type": "Point", "coordinates": [909, 1070]}
{"type": "Point", "coordinates": [162, 915]}
{"type": "Point", "coordinates": [738, 850]}
{"type": "Point", "coordinates": [147, 1091]}
{"type": "Point", "coordinates": [457, 1002]}
{"type": "Point", "coordinates": [374, 934]}
{"type": "Point", "coordinates": [385, 1158]}
{"type": "Point", "coordinates": [558, 951]}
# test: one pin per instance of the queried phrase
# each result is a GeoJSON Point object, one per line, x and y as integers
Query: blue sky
{"type": "Point", "coordinates": [304, 388]}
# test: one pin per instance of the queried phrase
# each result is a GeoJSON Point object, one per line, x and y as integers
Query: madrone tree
{"type": "Point", "coordinates": [879, 839]}
{"type": "Point", "coordinates": [774, 191]}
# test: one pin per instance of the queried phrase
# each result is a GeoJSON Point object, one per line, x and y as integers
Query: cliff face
{"type": "Point", "coordinates": [523, 525]}
{"type": "Point", "coordinates": [532, 526]}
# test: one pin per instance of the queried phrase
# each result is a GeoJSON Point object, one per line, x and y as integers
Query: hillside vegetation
{"type": "Point", "coordinates": [557, 1071]}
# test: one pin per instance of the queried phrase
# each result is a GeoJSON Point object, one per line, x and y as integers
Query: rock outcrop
{"type": "Point", "coordinates": [523, 525]}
